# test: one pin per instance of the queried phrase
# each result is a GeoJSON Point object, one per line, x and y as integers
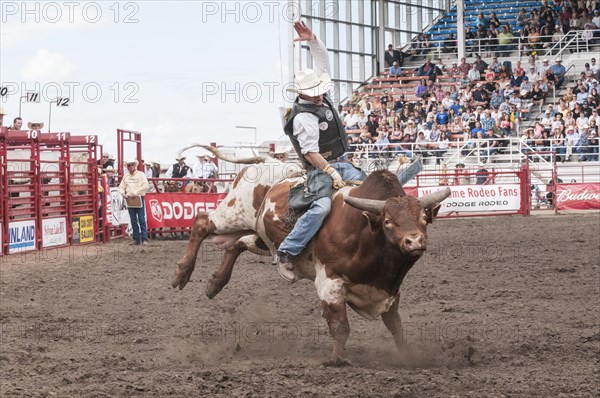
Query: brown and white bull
{"type": "Point", "coordinates": [370, 240]}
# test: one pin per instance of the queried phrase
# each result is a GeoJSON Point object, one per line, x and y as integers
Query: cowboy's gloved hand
{"type": "Point", "coordinates": [337, 178]}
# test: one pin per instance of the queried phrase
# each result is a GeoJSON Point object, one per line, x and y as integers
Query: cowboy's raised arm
{"type": "Point", "coordinates": [316, 46]}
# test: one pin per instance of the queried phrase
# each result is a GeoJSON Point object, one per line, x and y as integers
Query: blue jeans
{"type": "Point", "coordinates": [349, 172]}
{"type": "Point", "coordinates": [308, 225]}
{"type": "Point", "coordinates": [138, 222]}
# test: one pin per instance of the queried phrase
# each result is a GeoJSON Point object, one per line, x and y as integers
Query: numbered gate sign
{"type": "Point", "coordinates": [32, 97]}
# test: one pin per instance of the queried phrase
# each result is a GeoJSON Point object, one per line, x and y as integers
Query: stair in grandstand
{"type": "Point", "coordinates": [506, 11]}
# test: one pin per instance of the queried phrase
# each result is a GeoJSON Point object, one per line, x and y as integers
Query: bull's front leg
{"type": "Point", "coordinates": [391, 320]}
{"type": "Point", "coordinates": [203, 227]}
{"type": "Point", "coordinates": [332, 292]}
{"type": "Point", "coordinates": [339, 329]}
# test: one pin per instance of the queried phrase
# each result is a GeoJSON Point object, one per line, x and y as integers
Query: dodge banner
{"type": "Point", "coordinates": [178, 210]}
{"type": "Point", "coordinates": [578, 196]}
{"type": "Point", "coordinates": [478, 199]}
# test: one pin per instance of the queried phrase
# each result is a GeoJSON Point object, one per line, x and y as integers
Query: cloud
{"type": "Point", "coordinates": [47, 65]}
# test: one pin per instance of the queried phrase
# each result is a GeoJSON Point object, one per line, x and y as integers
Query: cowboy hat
{"type": "Point", "coordinates": [207, 154]}
{"type": "Point", "coordinates": [178, 158]}
{"type": "Point", "coordinates": [2, 111]}
{"type": "Point", "coordinates": [30, 125]}
{"type": "Point", "coordinates": [310, 83]}
{"type": "Point", "coordinates": [132, 161]}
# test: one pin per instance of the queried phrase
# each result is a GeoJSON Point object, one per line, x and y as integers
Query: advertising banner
{"type": "Point", "coordinates": [86, 229]}
{"type": "Point", "coordinates": [578, 196]}
{"type": "Point", "coordinates": [482, 199]}
{"type": "Point", "coordinates": [118, 209]}
{"type": "Point", "coordinates": [54, 232]}
{"type": "Point", "coordinates": [21, 236]}
{"type": "Point", "coordinates": [178, 210]}
{"type": "Point", "coordinates": [75, 228]}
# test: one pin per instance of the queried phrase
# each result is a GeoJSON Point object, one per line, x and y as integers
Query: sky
{"type": "Point", "coordinates": [179, 72]}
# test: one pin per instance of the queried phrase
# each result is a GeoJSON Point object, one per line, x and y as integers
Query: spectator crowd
{"type": "Point", "coordinates": [484, 103]}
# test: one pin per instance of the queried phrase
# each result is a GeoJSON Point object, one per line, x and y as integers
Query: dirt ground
{"type": "Point", "coordinates": [505, 306]}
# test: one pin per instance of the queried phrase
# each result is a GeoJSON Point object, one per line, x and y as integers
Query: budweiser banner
{"type": "Point", "coordinates": [578, 196]}
{"type": "Point", "coordinates": [178, 210]}
{"type": "Point", "coordinates": [481, 199]}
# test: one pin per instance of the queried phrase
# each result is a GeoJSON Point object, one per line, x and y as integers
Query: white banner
{"type": "Point", "coordinates": [21, 236]}
{"type": "Point", "coordinates": [479, 198]}
{"type": "Point", "coordinates": [118, 209]}
{"type": "Point", "coordinates": [54, 232]}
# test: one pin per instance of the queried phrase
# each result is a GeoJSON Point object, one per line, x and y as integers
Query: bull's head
{"type": "Point", "coordinates": [403, 219]}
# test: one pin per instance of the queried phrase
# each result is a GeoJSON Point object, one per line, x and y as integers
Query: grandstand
{"type": "Point", "coordinates": [575, 43]}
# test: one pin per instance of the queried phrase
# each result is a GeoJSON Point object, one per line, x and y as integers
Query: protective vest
{"type": "Point", "coordinates": [180, 172]}
{"type": "Point", "coordinates": [333, 141]}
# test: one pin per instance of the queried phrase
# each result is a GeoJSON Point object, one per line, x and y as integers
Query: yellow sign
{"type": "Point", "coordinates": [86, 229]}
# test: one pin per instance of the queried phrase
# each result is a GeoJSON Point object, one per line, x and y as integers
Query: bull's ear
{"type": "Point", "coordinates": [432, 212]}
{"type": "Point", "coordinates": [373, 220]}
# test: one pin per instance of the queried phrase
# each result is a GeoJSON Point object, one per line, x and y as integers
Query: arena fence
{"type": "Point", "coordinates": [49, 190]}
{"type": "Point", "coordinates": [52, 195]}
{"type": "Point", "coordinates": [171, 204]}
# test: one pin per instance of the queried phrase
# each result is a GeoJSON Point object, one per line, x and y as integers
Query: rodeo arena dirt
{"type": "Point", "coordinates": [497, 306]}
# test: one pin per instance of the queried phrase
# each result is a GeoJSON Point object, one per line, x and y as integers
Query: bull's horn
{"type": "Point", "coordinates": [215, 151]}
{"type": "Point", "coordinates": [374, 206]}
{"type": "Point", "coordinates": [435, 197]}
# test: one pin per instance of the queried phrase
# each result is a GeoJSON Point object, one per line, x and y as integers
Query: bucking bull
{"type": "Point", "coordinates": [370, 240]}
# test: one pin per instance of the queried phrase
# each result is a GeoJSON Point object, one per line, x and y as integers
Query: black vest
{"type": "Point", "coordinates": [333, 141]}
{"type": "Point", "coordinates": [180, 172]}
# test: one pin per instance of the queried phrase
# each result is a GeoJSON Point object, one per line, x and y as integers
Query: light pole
{"type": "Point", "coordinates": [249, 127]}
{"type": "Point", "coordinates": [59, 102]}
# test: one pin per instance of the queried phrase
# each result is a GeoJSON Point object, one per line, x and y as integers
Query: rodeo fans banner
{"type": "Point", "coordinates": [578, 196]}
{"type": "Point", "coordinates": [178, 210]}
{"type": "Point", "coordinates": [504, 198]}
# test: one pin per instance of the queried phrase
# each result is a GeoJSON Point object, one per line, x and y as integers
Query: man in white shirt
{"type": "Point", "coordinates": [204, 168]}
{"type": "Point", "coordinates": [317, 134]}
{"type": "Point", "coordinates": [134, 184]}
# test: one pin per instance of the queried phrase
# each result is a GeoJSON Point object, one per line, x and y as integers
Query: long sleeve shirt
{"type": "Point", "coordinates": [205, 170]}
{"type": "Point", "coordinates": [306, 125]}
{"type": "Point", "coordinates": [134, 184]}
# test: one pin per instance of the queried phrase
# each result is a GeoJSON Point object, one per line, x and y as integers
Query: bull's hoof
{"type": "Point", "coordinates": [213, 287]}
{"type": "Point", "coordinates": [337, 362]}
{"type": "Point", "coordinates": [182, 276]}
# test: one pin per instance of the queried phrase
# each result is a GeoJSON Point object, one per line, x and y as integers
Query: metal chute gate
{"type": "Point", "coordinates": [49, 190]}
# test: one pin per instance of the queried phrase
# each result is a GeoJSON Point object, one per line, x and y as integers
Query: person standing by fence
{"type": "Point", "coordinates": [135, 184]}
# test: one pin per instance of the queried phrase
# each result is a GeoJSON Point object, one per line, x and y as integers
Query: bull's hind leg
{"type": "Point", "coordinates": [203, 227]}
{"type": "Point", "coordinates": [391, 320]}
{"type": "Point", "coordinates": [222, 276]}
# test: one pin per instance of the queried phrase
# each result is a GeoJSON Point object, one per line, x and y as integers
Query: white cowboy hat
{"type": "Point", "coordinates": [132, 161]}
{"type": "Point", "coordinates": [309, 82]}
{"type": "Point", "coordinates": [208, 154]}
{"type": "Point", "coordinates": [180, 158]}
{"type": "Point", "coordinates": [2, 111]}
{"type": "Point", "coordinates": [30, 125]}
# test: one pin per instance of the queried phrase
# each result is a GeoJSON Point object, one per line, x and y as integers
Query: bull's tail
{"type": "Point", "coordinates": [215, 151]}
